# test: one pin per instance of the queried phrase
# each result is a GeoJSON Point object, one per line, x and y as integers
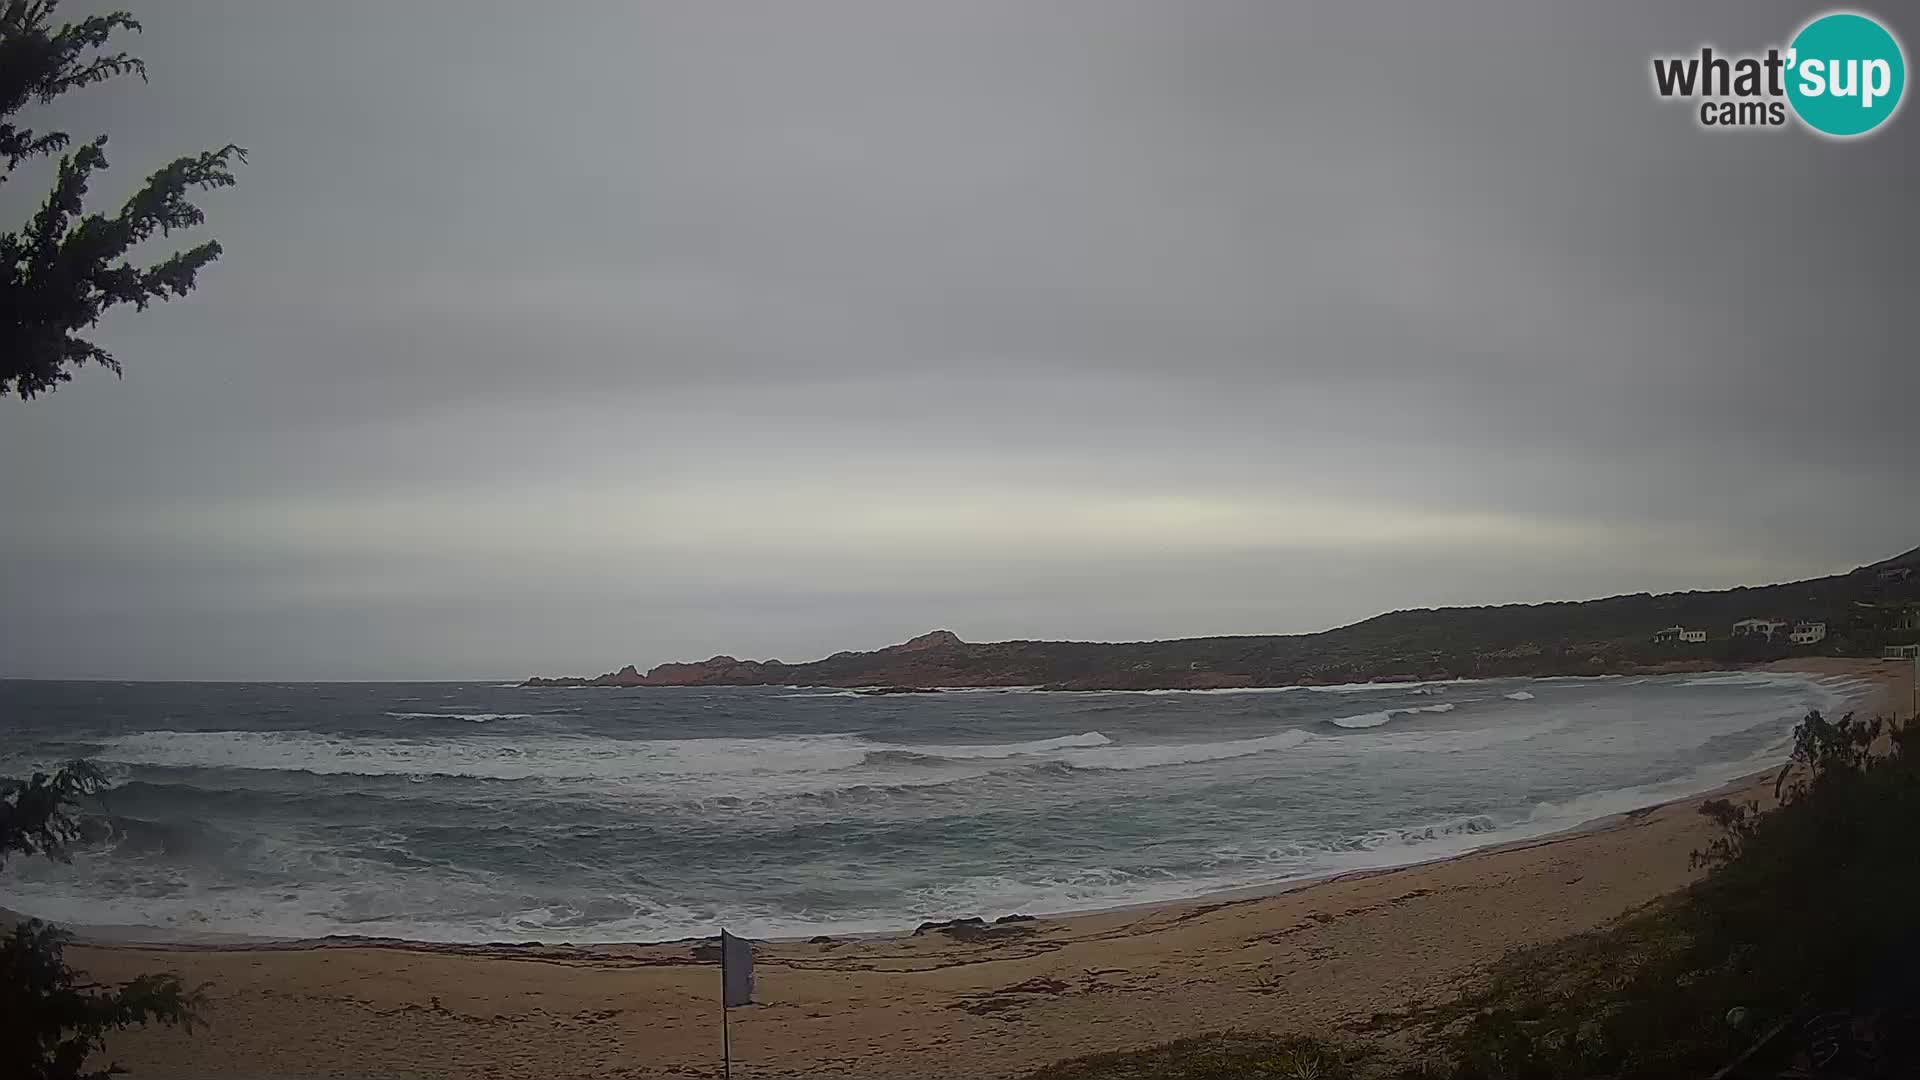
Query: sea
{"type": "Point", "coordinates": [473, 812]}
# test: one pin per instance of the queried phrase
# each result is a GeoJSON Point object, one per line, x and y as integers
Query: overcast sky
{"type": "Point", "coordinates": [553, 337]}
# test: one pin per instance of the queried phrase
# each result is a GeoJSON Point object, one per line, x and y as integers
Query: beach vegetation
{"type": "Point", "coordinates": [53, 1020]}
{"type": "Point", "coordinates": [59, 274]}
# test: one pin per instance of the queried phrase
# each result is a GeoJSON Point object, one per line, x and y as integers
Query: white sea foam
{"type": "Point", "coordinates": [758, 762]}
{"type": "Point", "coordinates": [357, 896]}
{"type": "Point", "coordinates": [822, 694]}
{"type": "Point", "coordinates": [1127, 758]}
{"type": "Point", "coordinates": [1375, 719]}
{"type": "Point", "coordinates": [1750, 678]}
{"type": "Point", "coordinates": [527, 757]}
{"type": "Point", "coordinates": [545, 757]}
{"type": "Point", "coordinates": [1410, 687]}
{"type": "Point", "coordinates": [1005, 750]}
{"type": "Point", "coordinates": [723, 793]}
{"type": "Point", "coordinates": [478, 718]}
{"type": "Point", "coordinates": [1216, 691]}
{"type": "Point", "coordinates": [826, 692]}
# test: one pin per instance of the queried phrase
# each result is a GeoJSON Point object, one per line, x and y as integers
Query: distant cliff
{"type": "Point", "coordinates": [1864, 610]}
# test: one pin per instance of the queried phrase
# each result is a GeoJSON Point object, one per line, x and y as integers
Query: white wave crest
{"type": "Point", "coordinates": [1004, 750]}
{"type": "Point", "coordinates": [545, 757]}
{"type": "Point", "coordinates": [478, 718]}
{"type": "Point", "coordinates": [1127, 758]}
{"type": "Point", "coordinates": [1215, 691]}
{"type": "Point", "coordinates": [1750, 678]}
{"type": "Point", "coordinates": [534, 757]}
{"type": "Point", "coordinates": [1519, 695]}
{"type": "Point", "coordinates": [1375, 719]}
{"type": "Point", "coordinates": [821, 694]}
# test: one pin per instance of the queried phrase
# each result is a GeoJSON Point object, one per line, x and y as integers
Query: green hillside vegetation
{"type": "Point", "coordinates": [1864, 611]}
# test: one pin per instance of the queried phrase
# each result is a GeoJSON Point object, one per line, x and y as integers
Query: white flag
{"type": "Point", "coordinates": [736, 971]}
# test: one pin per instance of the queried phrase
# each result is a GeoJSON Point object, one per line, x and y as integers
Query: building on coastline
{"type": "Point", "coordinates": [1671, 633]}
{"type": "Point", "coordinates": [1901, 652]}
{"type": "Point", "coordinates": [1760, 628]}
{"type": "Point", "coordinates": [1693, 637]}
{"type": "Point", "coordinates": [1808, 633]}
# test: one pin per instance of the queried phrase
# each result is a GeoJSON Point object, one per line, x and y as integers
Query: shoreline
{"type": "Point", "coordinates": [165, 939]}
{"type": "Point", "coordinates": [130, 937]}
{"type": "Point", "coordinates": [993, 1001]}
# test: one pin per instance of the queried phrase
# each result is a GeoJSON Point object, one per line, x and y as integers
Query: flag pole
{"type": "Point", "coordinates": [726, 1035]}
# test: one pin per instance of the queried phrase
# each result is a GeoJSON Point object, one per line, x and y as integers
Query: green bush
{"type": "Point", "coordinates": [51, 1020]}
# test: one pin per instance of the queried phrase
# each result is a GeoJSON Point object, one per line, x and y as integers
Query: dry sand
{"type": "Point", "coordinates": [930, 1005]}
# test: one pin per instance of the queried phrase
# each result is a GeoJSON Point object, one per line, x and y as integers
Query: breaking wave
{"type": "Point", "coordinates": [1128, 758]}
{"type": "Point", "coordinates": [1749, 678]}
{"type": "Point", "coordinates": [476, 814]}
{"type": "Point", "coordinates": [545, 757]}
{"type": "Point", "coordinates": [590, 758]}
{"type": "Point", "coordinates": [1004, 750]}
{"type": "Point", "coordinates": [1375, 719]}
{"type": "Point", "coordinates": [478, 718]}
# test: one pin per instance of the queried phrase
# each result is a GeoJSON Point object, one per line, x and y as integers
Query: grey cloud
{"type": "Point", "coordinates": [556, 339]}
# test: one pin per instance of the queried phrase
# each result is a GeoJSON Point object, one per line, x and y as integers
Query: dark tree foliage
{"type": "Point", "coordinates": [51, 1020]}
{"type": "Point", "coordinates": [58, 274]}
{"type": "Point", "coordinates": [64, 268]}
{"type": "Point", "coordinates": [36, 814]}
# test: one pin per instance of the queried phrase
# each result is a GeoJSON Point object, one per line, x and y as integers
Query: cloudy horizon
{"type": "Point", "coordinates": [548, 341]}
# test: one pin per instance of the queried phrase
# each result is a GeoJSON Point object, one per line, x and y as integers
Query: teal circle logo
{"type": "Point", "coordinates": [1845, 75]}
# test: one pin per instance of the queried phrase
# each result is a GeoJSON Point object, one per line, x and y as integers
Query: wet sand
{"type": "Point", "coordinates": [936, 1004]}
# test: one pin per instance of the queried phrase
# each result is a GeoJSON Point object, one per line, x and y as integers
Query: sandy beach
{"type": "Point", "coordinates": [936, 1004]}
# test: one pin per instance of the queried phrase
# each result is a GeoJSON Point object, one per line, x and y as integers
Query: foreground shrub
{"type": "Point", "coordinates": [51, 1019]}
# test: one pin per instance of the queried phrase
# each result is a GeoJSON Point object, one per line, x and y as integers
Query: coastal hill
{"type": "Point", "coordinates": [1864, 611]}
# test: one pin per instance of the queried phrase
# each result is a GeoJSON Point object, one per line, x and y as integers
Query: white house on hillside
{"type": "Point", "coordinates": [1762, 628]}
{"type": "Point", "coordinates": [1671, 633]}
{"type": "Point", "coordinates": [1693, 637]}
{"type": "Point", "coordinates": [1806, 633]}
